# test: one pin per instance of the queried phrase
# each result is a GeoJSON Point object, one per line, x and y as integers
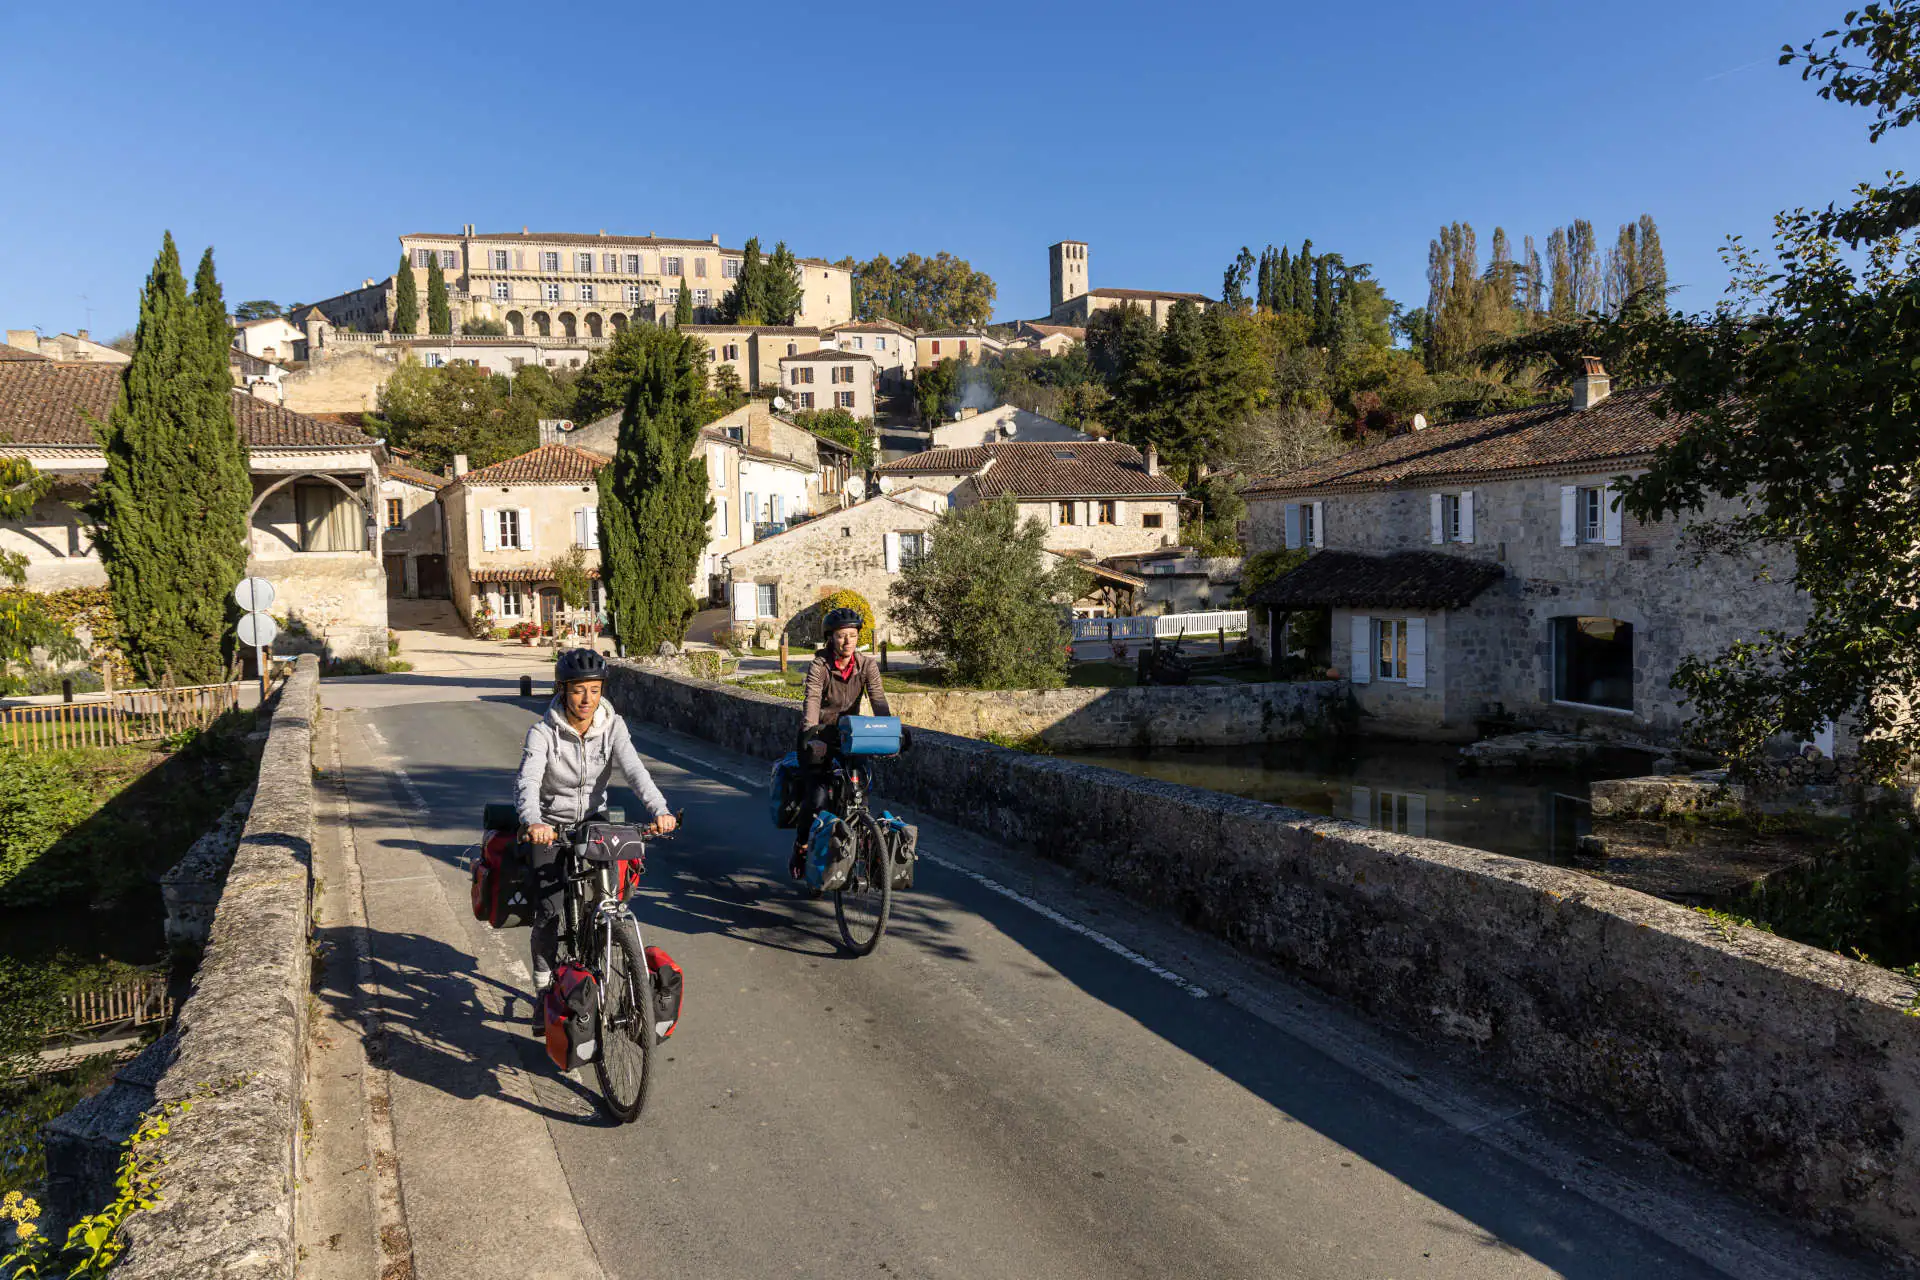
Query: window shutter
{"type": "Point", "coordinates": [593, 528]}
{"type": "Point", "coordinates": [1569, 499]}
{"type": "Point", "coordinates": [579, 526]}
{"type": "Point", "coordinates": [489, 529]}
{"type": "Point", "coordinates": [1363, 806]}
{"type": "Point", "coordinates": [746, 602]}
{"type": "Point", "coordinates": [1361, 668]}
{"type": "Point", "coordinates": [891, 542]}
{"type": "Point", "coordinates": [1434, 532]}
{"type": "Point", "coordinates": [1610, 515]}
{"type": "Point", "coordinates": [526, 528]}
{"type": "Point", "coordinates": [1119, 512]}
{"type": "Point", "coordinates": [779, 508]}
{"type": "Point", "coordinates": [1293, 526]}
{"type": "Point", "coordinates": [1466, 516]}
{"type": "Point", "coordinates": [1086, 514]}
{"type": "Point", "coordinates": [1319, 524]}
{"type": "Point", "coordinates": [1416, 813]}
{"type": "Point", "coordinates": [1417, 653]}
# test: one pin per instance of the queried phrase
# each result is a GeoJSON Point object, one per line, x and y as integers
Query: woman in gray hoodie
{"type": "Point", "coordinates": [565, 766]}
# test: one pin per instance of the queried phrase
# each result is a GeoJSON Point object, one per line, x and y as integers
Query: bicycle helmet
{"type": "Point", "coordinates": [840, 619]}
{"type": "Point", "coordinates": [578, 664]}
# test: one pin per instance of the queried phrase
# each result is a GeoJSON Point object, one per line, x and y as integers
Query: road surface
{"type": "Point", "coordinates": [1030, 1078]}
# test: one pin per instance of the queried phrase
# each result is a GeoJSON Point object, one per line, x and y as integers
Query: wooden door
{"type": "Point", "coordinates": [549, 610]}
{"type": "Point", "coordinates": [432, 571]}
{"type": "Point", "coordinates": [396, 575]}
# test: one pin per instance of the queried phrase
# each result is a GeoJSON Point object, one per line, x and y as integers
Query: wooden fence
{"type": "Point", "coordinates": [141, 1002]}
{"type": "Point", "coordinates": [117, 718]}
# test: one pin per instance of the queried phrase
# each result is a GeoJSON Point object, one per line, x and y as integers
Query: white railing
{"type": "Point", "coordinates": [1166, 626]}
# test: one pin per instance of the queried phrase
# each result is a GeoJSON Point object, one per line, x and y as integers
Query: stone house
{"type": "Point", "coordinates": [889, 345]}
{"type": "Point", "coordinates": [1486, 565]}
{"type": "Point", "coordinates": [507, 524]}
{"type": "Point", "coordinates": [861, 548]}
{"type": "Point", "coordinates": [968, 346]}
{"type": "Point", "coordinates": [415, 532]}
{"type": "Point", "coordinates": [270, 338]}
{"type": "Point", "coordinates": [753, 352]}
{"type": "Point", "coordinates": [829, 380]}
{"type": "Point", "coordinates": [1097, 498]}
{"type": "Point", "coordinates": [1176, 580]}
{"type": "Point", "coordinates": [257, 376]}
{"type": "Point", "coordinates": [314, 530]}
{"type": "Point", "coordinates": [991, 426]}
{"type": "Point", "coordinates": [66, 346]}
{"type": "Point", "coordinates": [1048, 339]}
{"type": "Point", "coordinates": [1073, 300]}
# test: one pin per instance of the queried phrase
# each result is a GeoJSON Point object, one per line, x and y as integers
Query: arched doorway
{"type": "Point", "coordinates": [619, 322]}
{"type": "Point", "coordinates": [568, 325]}
{"type": "Point", "coordinates": [543, 324]}
{"type": "Point", "coordinates": [516, 324]}
{"type": "Point", "coordinates": [593, 324]}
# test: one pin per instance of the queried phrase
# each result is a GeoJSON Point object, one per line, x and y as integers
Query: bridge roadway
{"type": "Point", "coordinates": [1030, 1079]}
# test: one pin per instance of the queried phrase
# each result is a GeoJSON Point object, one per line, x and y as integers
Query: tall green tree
{"type": "Point", "coordinates": [683, 305]}
{"type": "Point", "coordinates": [653, 498]}
{"type": "Point", "coordinates": [987, 602]}
{"type": "Point", "coordinates": [406, 299]}
{"type": "Point", "coordinates": [940, 292]}
{"type": "Point", "coordinates": [171, 510]}
{"type": "Point", "coordinates": [439, 314]}
{"type": "Point", "coordinates": [747, 304]}
{"type": "Point", "coordinates": [782, 295]}
{"type": "Point", "coordinates": [1562, 305]}
{"type": "Point", "coordinates": [464, 409]}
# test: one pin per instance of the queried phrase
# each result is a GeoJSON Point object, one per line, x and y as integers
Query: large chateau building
{"type": "Point", "coordinates": [573, 284]}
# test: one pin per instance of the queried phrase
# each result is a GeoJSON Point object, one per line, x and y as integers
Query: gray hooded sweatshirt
{"type": "Point", "coordinates": [563, 777]}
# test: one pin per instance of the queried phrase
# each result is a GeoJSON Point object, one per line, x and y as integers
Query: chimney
{"type": "Point", "coordinates": [523, 229]}
{"type": "Point", "coordinates": [469, 229]}
{"type": "Point", "coordinates": [83, 335]}
{"type": "Point", "coordinates": [1153, 460]}
{"type": "Point", "coordinates": [964, 414]}
{"type": "Point", "coordinates": [459, 465]}
{"type": "Point", "coordinates": [1592, 386]}
{"type": "Point", "coordinates": [716, 237]}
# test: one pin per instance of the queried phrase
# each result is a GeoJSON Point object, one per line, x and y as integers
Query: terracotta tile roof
{"type": "Point", "coordinates": [566, 237]}
{"type": "Point", "coordinates": [20, 354]}
{"type": "Point", "coordinates": [1403, 580]}
{"type": "Point", "coordinates": [248, 363]}
{"type": "Point", "coordinates": [1044, 469]}
{"type": "Point", "coordinates": [1073, 331]}
{"type": "Point", "coordinates": [49, 403]}
{"type": "Point", "coordinates": [956, 333]}
{"type": "Point", "coordinates": [414, 475]}
{"type": "Point", "coordinates": [549, 464]}
{"type": "Point", "coordinates": [1143, 295]}
{"type": "Point", "coordinates": [535, 573]}
{"type": "Point", "coordinates": [829, 356]}
{"type": "Point", "coordinates": [871, 326]}
{"type": "Point", "coordinates": [1552, 436]}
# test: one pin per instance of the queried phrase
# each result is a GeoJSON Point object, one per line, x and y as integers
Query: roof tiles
{"type": "Point", "coordinates": [549, 464]}
{"type": "Point", "coordinates": [1404, 580]}
{"type": "Point", "coordinates": [50, 403]}
{"type": "Point", "coordinates": [1040, 469]}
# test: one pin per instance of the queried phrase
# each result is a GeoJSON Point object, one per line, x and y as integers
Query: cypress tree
{"type": "Point", "coordinates": [439, 314]}
{"type": "Point", "coordinates": [1303, 277]}
{"type": "Point", "coordinates": [747, 304]}
{"type": "Point", "coordinates": [683, 305]}
{"type": "Point", "coordinates": [783, 285]}
{"type": "Point", "coordinates": [1283, 281]}
{"type": "Point", "coordinates": [653, 498]}
{"type": "Point", "coordinates": [406, 299]}
{"type": "Point", "coordinates": [171, 510]}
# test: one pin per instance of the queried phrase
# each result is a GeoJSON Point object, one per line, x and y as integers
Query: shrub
{"type": "Point", "coordinates": [41, 799]}
{"type": "Point", "coordinates": [524, 631]}
{"type": "Point", "coordinates": [732, 640]}
{"type": "Point", "coordinates": [812, 621]}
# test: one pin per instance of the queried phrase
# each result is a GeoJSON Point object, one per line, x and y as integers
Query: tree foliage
{"type": "Point", "coordinates": [609, 374]}
{"type": "Point", "coordinates": [485, 327]}
{"type": "Point", "coordinates": [435, 413]}
{"type": "Point", "coordinates": [406, 299]}
{"type": "Point", "coordinates": [171, 510]}
{"type": "Point", "coordinates": [258, 309]}
{"type": "Point", "coordinates": [653, 498]}
{"type": "Point", "coordinates": [1184, 389]}
{"type": "Point", "coordinates": [439, 313]}
{"type": "Point", "coordinates": [768, 290]}
{"type": "Point", "coordinates": [683, 305]}
{"type": "Point", "coordinates": [842, 427]}
{"type": "Point", "coordinates": [941, 292]}
{"type": "Point", "coordinates": [985, 604]}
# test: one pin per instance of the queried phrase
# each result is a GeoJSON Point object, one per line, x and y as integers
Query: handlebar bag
{"type": "Point", "coordinates": [870, 735]}
{"type": "Point", "coordinates": [573, 1016]}
{"type": "Point", "coordinates": [500, 876]}
{"type": "Point", "coordinates": [903, 843]}
{"type": "Point", "coordinates": [783, 792]}
{"type": "Point", "coordinates": [668, 987]}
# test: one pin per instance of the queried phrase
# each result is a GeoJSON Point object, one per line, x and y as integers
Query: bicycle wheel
{"type": "Point", "coordinates": [863, 905]}
{"type": "Point", "coordinates": [625, 1061]}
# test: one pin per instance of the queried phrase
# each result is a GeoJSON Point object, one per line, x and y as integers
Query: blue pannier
{"type": "Point", "coordinates": [783, 792]}
{"type": "Point", "coordinates": [870, 735]}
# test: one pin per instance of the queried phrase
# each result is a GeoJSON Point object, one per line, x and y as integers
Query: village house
{"type": "Point", "coordinates": [65, 346]}
{"type": "Point", "coordinates": [1048, 339]}
{"type": "Point", "coordinates": [256, 376]}
{"type": "Point", "coordinates": [314, 529]}
{"type": "Point", "coordinates": [753, 352]}
{"type": "Point", "coordinates": [270, 338]}
{"type": "Point", "coordinates": [1097, 498]}
{"type": "Point", "coordinates": [777, 582]}
{"type": "Point", "coordinates": [415, 532]}
{"type": "Point", "coordinates": [1486, 566]}
{"type": "Point", "coordinates": [1075, 302]}
{"type": "Point", "coordinates": [1179, 580]}
{"type": "Point", "coordinates": [890, 345]}
{"type": "Point", "coordinates": [507, 525]}
{"type": "Point", "coordinates": [992, 426]}
{"type": "Point", "coordinates": [968, 346]}
{"type": "Point", "coordinates": [829, 380]}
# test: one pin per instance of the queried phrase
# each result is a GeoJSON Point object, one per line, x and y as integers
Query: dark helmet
{"type": "Point", "coordinates": [578, 664]}
{"type": "Point", "coordinates": [841, 619]}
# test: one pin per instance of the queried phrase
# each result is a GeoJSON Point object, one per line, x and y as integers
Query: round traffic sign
{"type": "Point", "coordinates": [257, 629]}
{"type": "Point", "coordinates": [253, 594]}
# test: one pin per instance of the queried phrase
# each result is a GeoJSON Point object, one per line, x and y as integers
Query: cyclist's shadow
{"type": "Point", "coordinates": [686, 900]}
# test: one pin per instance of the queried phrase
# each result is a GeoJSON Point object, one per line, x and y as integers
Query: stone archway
{"type": "Point", "coordinates": [543, 324]}
{"type": "Point", "coordinates": [593, 324]}
{"type": "Point", "coordinates": [569, 326]}
{"type": "Point", "coordinates": [516, 324]}
{"type": "Point", "coordinates": [619, 322]}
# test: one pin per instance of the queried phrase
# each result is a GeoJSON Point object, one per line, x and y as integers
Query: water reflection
{"type": "Point", "coordinates": [1413, 788]}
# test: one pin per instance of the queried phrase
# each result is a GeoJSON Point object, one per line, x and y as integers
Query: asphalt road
{"type": "Point", "coordinates": [1030, 1078]}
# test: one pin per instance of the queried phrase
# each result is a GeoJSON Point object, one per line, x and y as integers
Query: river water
{"type": "Point", "coordinates": [1414, 788]}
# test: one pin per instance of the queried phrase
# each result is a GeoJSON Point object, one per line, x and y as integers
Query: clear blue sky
{"type": "Point", "coordinates": [300, 141]}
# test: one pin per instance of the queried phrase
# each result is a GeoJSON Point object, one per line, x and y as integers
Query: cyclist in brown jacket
{"type": "Point", "coordinates": [836, 682]}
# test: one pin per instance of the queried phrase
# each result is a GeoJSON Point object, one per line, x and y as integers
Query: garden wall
{"type": "Point", "coordinates": [1157, 716]}
{"type": "Point", "coordinates": [1786, 1071]}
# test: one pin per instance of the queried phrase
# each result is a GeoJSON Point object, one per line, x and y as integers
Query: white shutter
{"type": "Point", "coordinates": [1569, 502]}
{"type": "Point", "coordinates": [1466, 516]}
{"type": "Point", "coordinates": [891, 542]}
{"type": "Point", "coordinates": [1319, 524]}
{"type": "Point", "coordinates": [1293, 526]}
{"type": "Point", "coordinates": [526, 528]}
{"type": "Point", "coordinates": [779, 508]}
{"type": "Point", "coordinates": [1416, 653]}
{"type": "Point", "coordinates": [1434, 532]}
{"type": "Point", "coordinates": [593, 528]}
{"type": "Point", "coordinates": [1416, 813]}
{"type": "Point", "coordinates": [1360, 669]}
{"type": "Point", "coordinates": [489, 529]}
{"type": "Point", "coordinates": [579, 526]}
{"type": "Point", "coordinates": [1363, 806]}
{"type": "Point", "coordinates": [1610, 515]}
{"type": "Point", "coordinates": [1119, 512]}
{"type": "Point", "coordinates": [746, 602]}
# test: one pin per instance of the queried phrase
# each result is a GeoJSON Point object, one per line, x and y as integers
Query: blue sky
{"type": "Point", "coordinates": [301, 141]}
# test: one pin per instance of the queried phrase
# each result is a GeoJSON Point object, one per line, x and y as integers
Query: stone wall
{"type": "Point", "coordinates": [843, 549]}
{"type": "Point", "coordinates": [346, 381]}
{"type": "Point", "coordinates": [236, 1053]}
{"type": "Point", "coordinates": [1077, 719]}
{"type": "Point", "coordinates": [1788, 1072]}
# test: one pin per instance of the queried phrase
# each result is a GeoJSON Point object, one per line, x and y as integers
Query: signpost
{"type": "Point", "coordinates": [257, 628]}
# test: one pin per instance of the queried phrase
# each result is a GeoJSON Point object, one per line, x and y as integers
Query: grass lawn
{"type": "Point", "coordinates": [1084, 675]}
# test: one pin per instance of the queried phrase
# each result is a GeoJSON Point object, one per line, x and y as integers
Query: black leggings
{"type": "Point", "coordinates": [549, 901]}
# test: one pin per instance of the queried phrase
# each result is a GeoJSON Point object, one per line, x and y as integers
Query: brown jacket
{"type": "Point", "coordinates": [829, 697]}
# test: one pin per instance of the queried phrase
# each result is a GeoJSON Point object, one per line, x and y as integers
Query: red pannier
{"type": "Point", "coordinates": [500, 875]}
{"type": "Point", "coordinates": [572, 1006]}
{"type": "Point", "coordinates": [669, 984]}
